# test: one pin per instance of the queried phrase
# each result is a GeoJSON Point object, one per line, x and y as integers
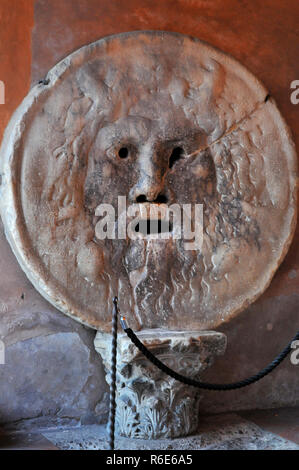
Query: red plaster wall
{"type": "Point", "coordinates": [16, 22]}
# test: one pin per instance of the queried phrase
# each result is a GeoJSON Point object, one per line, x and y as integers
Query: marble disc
{"type": "Point", "coordinates": [158, 118]}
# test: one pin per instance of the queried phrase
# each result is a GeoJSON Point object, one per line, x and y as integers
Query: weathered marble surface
{"type": "Point", "coordinates": [150, 404]}
{"type": "Point", "coordinates": [60, 160]}
{"type": "Point", "coordinates": [223, 432]}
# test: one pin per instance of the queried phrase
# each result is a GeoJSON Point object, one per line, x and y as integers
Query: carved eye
{"type": "Point", "coordinates": [123, 152]}
{"type": "Point", "coordinates": [176, 155]}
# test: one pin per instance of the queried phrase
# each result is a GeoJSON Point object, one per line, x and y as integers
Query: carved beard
{"type": "Point", "coordinates": [160, 274]}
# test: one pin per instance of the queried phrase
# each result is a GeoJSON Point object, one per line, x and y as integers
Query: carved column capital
{"type": "Point", "coordinates": [150, 404]}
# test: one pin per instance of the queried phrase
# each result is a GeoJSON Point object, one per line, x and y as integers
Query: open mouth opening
{"type": "Point", "coordinates": [153, 226]}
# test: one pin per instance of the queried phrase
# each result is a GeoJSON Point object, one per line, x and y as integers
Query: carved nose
{"type": "Point", "coordinates": [149, 186]}
{"type": "Point", "coordinates": [146, 190]}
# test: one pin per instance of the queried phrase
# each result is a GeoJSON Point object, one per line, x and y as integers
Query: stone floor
{"type": "Point", "coordinates": [251, 430]}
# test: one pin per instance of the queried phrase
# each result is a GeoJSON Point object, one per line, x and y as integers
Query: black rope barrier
{"type": "Point", "coordinates": [164, 368]}
{"type": "Point", "coordinates": [112, 404]}
{"type": "Point", "coordinates": [208, 386]}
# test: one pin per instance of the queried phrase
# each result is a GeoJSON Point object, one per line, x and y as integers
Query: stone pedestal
{"type": "Point", "coordinates": [150, 404]}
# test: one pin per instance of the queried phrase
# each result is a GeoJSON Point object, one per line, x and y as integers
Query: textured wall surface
{"type": "Point", "coordinates": [16, 22]}
{"type": "Point", "coordinates": [51, 372]}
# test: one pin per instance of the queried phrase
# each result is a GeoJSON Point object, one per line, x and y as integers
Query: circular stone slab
{"type": "Point", "coordinates": [156, 117]}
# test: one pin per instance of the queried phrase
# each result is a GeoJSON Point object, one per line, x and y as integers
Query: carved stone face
{"type": "Point", "coordinates": [161, 119]}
